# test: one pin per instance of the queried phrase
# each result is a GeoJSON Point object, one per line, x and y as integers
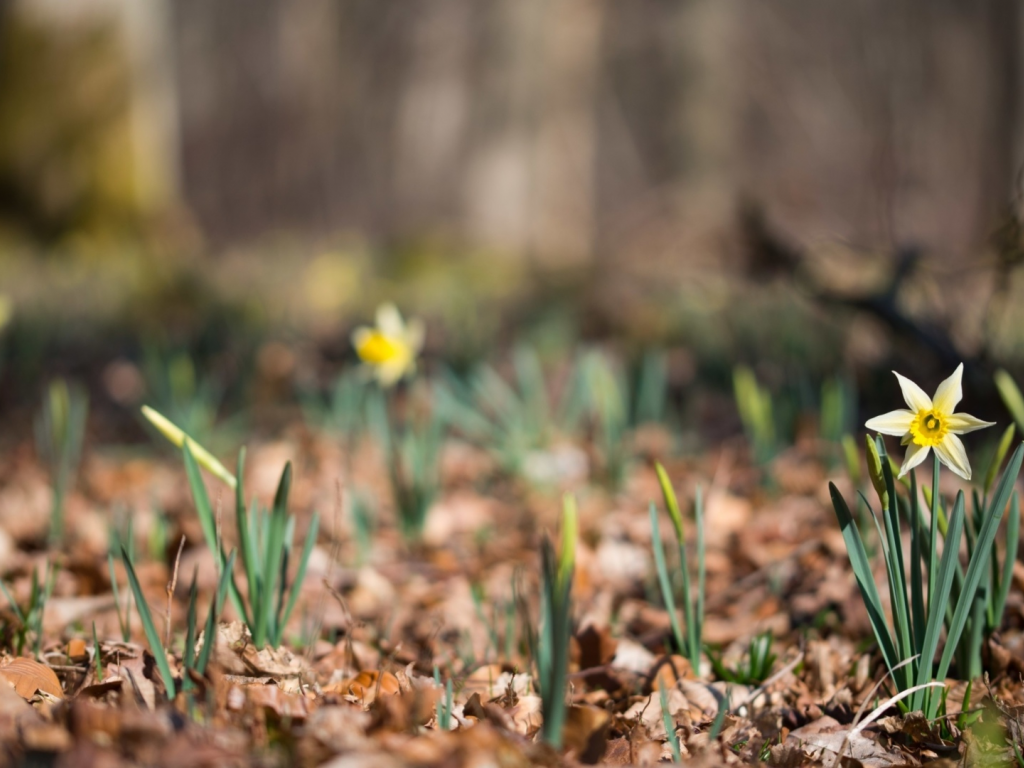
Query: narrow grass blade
{"type": "Point", "coordinates": [272, 558]}
{"type": "Point", "coordinates": [697, 635]}
{"type": "Point", "coordinates": [152, 635]}
{"type": "Point", "coordinates": [940, 596]}
{"type": "Point", "coordinates": [865, 578]}
{"type": "Point", "coordinates": [209, 633]}
{"type": "Point", "coordinates": [247, 541]}
{"type": "Point", "coordinates": [665, 581]}
{"type": "Point", "coordinates": [916, 557]}
{"type": "Point", "coordinates": [201, 499]}
{"type": "Point", "coordinates": [670, 726]}
{"type": "Point", "coordinates": [933, 557]}
{"type": "Point", "coordinates": [97, 655]}
{"type": "Point", "coordinates": [719, 721]}
{"type": "Point", "coordinates": [1009, 560]}
{"type": "Point", "coordinates": [300, 574]}
{"type": "Point", "coordinates": [897, 565]}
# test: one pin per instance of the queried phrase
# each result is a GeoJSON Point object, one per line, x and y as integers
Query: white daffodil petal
{"type": "Point", "coordinates": [962, 423]}
{"type": "Point", "coordinates": [917, 399]}
{"type": "Point", "coordinates": [914, 456]}
{"type": "Point", "coordinates": [895, 423]}
{"type": "Point", "coordinates": [951, 453]}
{"type": "Point", "coordinates": [949, 392]}
{"type": "Point", "coordinates": [389, 321]}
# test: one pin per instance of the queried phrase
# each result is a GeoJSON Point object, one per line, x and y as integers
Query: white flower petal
{"type": "Point", "coordinates": [949, 392]}
{"type": "Point", "coordinates": [914, 456]}
{"type": "Point", "coordinates": [962, 423]}
{"type": "Point", "coordinates": [389, 321]}
{"type": "Point", "coordinates": [951, 453]}
{"type": "Point", "coordinates": [895, 423]}
{"type": "Point", "coordinates": [917, 399]}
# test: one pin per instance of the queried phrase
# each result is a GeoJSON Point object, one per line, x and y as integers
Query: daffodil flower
{"type": "Point", "coordinates": [391, 348]}
{"type": "Point", "coordinates": [930, 423]}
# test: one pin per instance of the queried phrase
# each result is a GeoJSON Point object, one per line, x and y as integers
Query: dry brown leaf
{"type": "Point", "coordinates": [270, 696]}
{"type": "Point", "coordinates": [586, 732]}
{"type": "Point", "coordinates": [366, 685]}
{"type": "Point", "coordinates": [28, 676]}
{"type": "Point", "coordinates": [77, 650]}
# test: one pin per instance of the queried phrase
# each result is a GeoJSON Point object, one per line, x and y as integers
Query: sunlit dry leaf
{"type": "Point", "coordinates": [271, 697]}
{"type": "Point", "coordinates": [668, 671]}
{"type": "Point", "coordinates": [28, 676]}
{"type": "Point", "coordinates": [823, 738]}
{"type": "Point", "coordinates": [77, 650]}
{"type": "Point", "coordinates": [365, 686]}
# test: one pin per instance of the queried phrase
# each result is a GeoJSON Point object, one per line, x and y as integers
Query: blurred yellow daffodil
{"type": "Point", "coordinates": [930, 423]}
{"type": "Point", "coordinates": [390, 349]}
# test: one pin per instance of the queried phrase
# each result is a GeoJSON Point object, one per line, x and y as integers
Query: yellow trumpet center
{"type": "Point", "coordinates": [378, 349]}
{"type": "Point", "coordinates": [928, 428]}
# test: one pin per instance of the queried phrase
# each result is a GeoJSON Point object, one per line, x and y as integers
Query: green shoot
{"type": "Point", "coordinates": [156, 646]}
{"type": "Point", "coordinates": [413, 457]}
{"type": "Point", "coordinates": [689, 642]}
{"type": "Point", "coordinates": [30, 616]}
{"type": "Point", "coordinates": [60, 430]}
{"type": "Point", "coordinates": [97, 654]}
{"type": "Point", "coordinates": [124, 618]}
{"type": "Point", "coordinates": [443, 708]}
{"type": "Point", "coordinates": [556, 624]}
{"type": "Point", "coordinates": [757, 666]}
{"type": "Point", "coordinates": [719, 721]}
{"type": "Point", "coordinates": [754, 404]}
{"type": "Point", "coordinates": [670, 726]}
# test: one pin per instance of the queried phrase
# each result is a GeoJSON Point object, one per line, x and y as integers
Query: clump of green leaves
{"type": "Point", "coordinates": [29, 617]}
{"type": "Point", "coordinates": [267, 543]}
{"type": "Point", "coordinates": [266, 539]}
{"type": "Point", "coordinates": [755, 667]}
{"type": "Point", "coordinates": [688, 641]}
{"type": "Point", "coordinates": [511, 420]}
{"type": "Point", "coordinates": [60, 430]}
{"type": "Point", "coordinates": [921, 586]}
{"type": "Point", "coordinates": [617, 407]}
{"type": "Point", "coordinates": [552, 645]}
{"type": "Point", "coordinates": [342, 409]}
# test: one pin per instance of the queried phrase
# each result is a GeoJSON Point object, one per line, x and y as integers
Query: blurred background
{"type": "Point", "coordinates": [209, 195]}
